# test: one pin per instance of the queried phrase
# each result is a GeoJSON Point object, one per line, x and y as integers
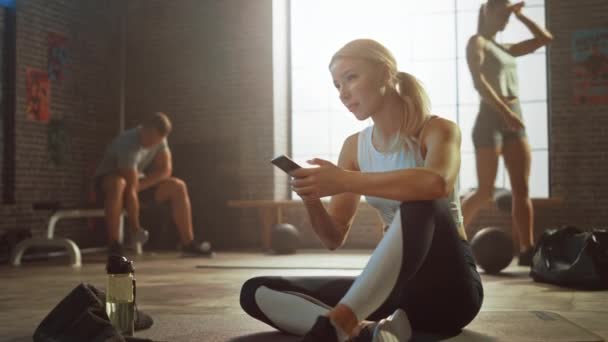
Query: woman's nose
{"type": "Point", "coordinates": [344, 93]}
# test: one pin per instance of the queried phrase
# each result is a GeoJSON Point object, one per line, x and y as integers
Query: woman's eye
{"type": "Point", "coordinates": [351, 77]}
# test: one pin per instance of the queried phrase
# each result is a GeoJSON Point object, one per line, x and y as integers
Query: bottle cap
{"type": "Point", "coordinates": [118, 264]}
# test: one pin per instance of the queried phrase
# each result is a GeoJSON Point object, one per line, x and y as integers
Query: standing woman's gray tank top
{"type": "Point", "coordinates": [500, 69]}
{"type": "Point", "coordinates": [407, 156]}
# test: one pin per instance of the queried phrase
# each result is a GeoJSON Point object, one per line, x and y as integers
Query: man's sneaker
{"type": "Point", "coordinates": [115, 248]}
{"type": "Point", "coordinates": [139, 236]}
{"type": "Point", "coordinates": [525, 257]}
{"type": "Point", "coordinates": [198, 249]}
{"type": "Point", "coordinates": [323, 330]}
{"type": "Point", "coordinates": [394, 328]}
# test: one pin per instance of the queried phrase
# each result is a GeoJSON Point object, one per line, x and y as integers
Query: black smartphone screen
{"type": "Point", "coordinates": [285, 163]}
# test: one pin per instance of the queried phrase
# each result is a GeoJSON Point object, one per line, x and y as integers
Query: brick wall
{"type": "Point", "coordinates": [579, 143]}
{"type": "Point", "coordinates": [209, 65]}
{"type": "Point", "coordinates": [86, 100]}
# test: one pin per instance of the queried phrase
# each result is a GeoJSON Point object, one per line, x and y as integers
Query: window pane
{"type": "Point", "coordinates": [335, 104]}
{"type": "Point", "coordinates": [467, 94]}
{"type": "Point", "coordinates": [532, 74]}
{"type": "Point", "coordinates": [307, 25]}
{"type": "Point", "coordinates": [535, 119]}
{"type": "Point", "coordinates": [502, 178]}
{"type": "Point", "coordinates": [434, 6]}
{"type": "Point", "coordinates": [466, 116]}
{"type": "Point", "coordinates": [438, 79]}
{"type": "Point", "coordinates": [433, 36]}
{"type": "Point", "coordinates": [446, 111]}
{"type": "Point", "coordinates": [468, 172]}
{"type": "Point", "coordinates": [305, 133]}
{"type": "Point", "coordinates": [306, 83]}
{"type": "Point", "coordinates": [539, 174]}
{"type": "Point", "coordinates": [469, 5]}
{"type": "Point", "coordinates": [467, 27]}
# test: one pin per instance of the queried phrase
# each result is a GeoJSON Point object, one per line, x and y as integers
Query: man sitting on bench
{"type": "Point", "coordinates": [137, 167]}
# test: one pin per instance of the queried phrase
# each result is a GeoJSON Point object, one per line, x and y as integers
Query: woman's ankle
{"type": "Point", "coordinates": [344, 319]}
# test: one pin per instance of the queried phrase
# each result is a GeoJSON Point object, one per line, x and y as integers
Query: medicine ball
{"type": "Point", "coordinates": [285, 238]}
{"type": "Point", "coordinates": [492, 249]}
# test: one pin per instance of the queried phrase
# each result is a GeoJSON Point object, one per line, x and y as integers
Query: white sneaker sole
{"type": "Point", "coordinates": [395, 328]}
{"type": "Point", "coordinates": [141, 236]}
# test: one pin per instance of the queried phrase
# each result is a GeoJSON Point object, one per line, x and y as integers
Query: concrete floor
{"type": "Point", "coordinates": [201, 304]}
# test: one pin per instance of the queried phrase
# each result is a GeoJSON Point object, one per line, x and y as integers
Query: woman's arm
{"type": "Point", "coordinates": [333, 224]}
{"type": "Point", "coordinates": [441, 142]}
{"type": "Point", "coordinates": [541, 38]}
{"type": "Point", "coordinates": [475, 58]}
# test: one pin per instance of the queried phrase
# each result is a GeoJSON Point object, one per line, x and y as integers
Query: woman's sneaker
{"type": "Point", "coordinates": [394, 328]}
{"type": "Point", "coordinates": [525, 257]}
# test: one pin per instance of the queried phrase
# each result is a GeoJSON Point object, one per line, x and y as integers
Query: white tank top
{"type": "Point", "coordinates": [370, 160]}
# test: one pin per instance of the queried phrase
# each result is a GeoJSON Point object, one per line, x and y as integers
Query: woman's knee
{"type": "Point", "coordinates": [520, 190]}
{"type": "Point", "coordinates": [423, 208]}
{"type": "Point", "coordinates": [450, 314]}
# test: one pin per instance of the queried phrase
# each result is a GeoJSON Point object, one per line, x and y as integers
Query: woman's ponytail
{"type": "Point", "coordinates": [416, 103]}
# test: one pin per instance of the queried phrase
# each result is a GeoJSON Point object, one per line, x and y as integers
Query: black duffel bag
{"type": "Point", "coordinates": [573, 258]}
{"type": "Point", "coordinates": [81, 316]}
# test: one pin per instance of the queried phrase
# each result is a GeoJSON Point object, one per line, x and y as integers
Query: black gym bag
{"type": "Point", "coordinates": [570, 257]}
{"type": "Point", "coordinates": [81, 316]}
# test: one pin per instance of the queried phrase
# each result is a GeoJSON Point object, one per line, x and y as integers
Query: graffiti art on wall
{"type": "Point", "coordinates": [58, 56]}
{"type": "Point", "coordinates": [38, 95]}
{"type": "Point", "coordinates": [590, 59]}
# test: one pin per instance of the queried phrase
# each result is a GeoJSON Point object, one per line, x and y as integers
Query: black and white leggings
{"type": "Point", "coordinates": [421, 265]}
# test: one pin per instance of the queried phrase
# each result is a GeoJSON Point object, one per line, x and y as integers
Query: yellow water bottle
{"type": "Point", "coordinates": [120, 294]}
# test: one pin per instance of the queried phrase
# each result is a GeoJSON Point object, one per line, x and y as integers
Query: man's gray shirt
{"type": "Point", "coordinates": [126, 152]}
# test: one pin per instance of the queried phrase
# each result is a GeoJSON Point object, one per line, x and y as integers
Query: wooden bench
{"type": "Point", "coordinates": [61, 213]}
{"type": "Point", "coordinates": [271, 212]}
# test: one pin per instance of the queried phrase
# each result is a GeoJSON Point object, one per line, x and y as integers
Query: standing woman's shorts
{"type": "Point", "coordinates": [489, 129]}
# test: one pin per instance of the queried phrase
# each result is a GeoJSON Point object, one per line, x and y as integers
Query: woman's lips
{"type": "Point", "coordinates": [351, 106]}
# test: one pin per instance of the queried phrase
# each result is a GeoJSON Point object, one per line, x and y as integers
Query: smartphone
{"type": "Point", "coordinates": [284, 163]}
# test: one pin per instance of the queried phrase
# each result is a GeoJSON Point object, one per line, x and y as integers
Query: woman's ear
{"type": "Point", "coordinates": [385, 76]}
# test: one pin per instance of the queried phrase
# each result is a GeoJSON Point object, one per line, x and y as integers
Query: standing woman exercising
{"type": "Point", "coordinates": [499, 127]}
{"type": "Point", "coordinates": [421, 275]}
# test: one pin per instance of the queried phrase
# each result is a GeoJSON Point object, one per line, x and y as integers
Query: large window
{"type": "Point", "coordinates": [428, 38]}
